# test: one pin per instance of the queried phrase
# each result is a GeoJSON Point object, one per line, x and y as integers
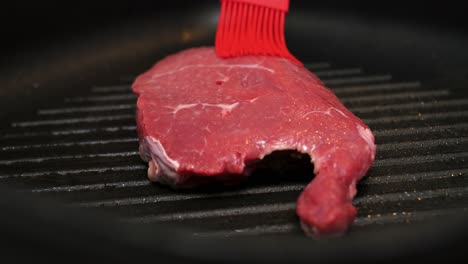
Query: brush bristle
{"type": "Point", "coordinates": [249, 29]}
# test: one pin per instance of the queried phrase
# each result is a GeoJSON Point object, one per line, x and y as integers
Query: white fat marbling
{"type": "Point", "coordinates": [165, 166]}
{"type": "Point", "coordinates": [225, 108]}
{"type": "Point", "coordinates": [367, 135]}
{"type": "Point", "coordinates": [328, 112]}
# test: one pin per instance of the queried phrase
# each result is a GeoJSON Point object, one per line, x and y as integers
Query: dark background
{"type": "Point", "coordinates": [33, 24]}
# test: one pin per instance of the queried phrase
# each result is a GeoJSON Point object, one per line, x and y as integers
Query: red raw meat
{"type": "Point", "coordinates": [202, 118]}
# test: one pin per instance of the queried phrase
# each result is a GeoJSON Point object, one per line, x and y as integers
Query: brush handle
{"type": "Point", "coordinates": [282, 5]}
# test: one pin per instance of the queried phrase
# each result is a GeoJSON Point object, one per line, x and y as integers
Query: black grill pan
{"type": "Point", "coordinates": [73, 184]}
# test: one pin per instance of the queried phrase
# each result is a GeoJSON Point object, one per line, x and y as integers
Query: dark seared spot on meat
{"type": "Point", "coordinates": [283, 165]}
{"type": "Point", "coordinates": [279, 167]}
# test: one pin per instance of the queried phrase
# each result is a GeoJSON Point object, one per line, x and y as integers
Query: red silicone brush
{"type": "Point", "coordinates": [252, 27]}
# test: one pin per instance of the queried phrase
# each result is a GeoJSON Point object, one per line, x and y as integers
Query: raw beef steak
{"type": "Point", "coordinates": [202, 118]}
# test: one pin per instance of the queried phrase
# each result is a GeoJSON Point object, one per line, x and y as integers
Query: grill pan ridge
{"type": "Point", "coordinates": [83, 150]}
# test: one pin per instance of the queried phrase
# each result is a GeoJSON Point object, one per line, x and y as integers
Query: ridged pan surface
{"type": "Point", "coordinates": [82, 150]}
